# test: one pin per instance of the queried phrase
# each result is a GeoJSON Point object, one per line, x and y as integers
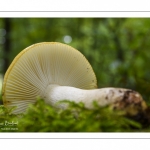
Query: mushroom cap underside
{"type": "Point", "coordinates": [40, 65]}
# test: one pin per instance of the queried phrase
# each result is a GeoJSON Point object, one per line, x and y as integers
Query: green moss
{"type": "Point", "coordinates": [41, 117]}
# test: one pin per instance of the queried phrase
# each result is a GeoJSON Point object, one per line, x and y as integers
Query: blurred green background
{"type": "Point", "coordinates": [117, 48]}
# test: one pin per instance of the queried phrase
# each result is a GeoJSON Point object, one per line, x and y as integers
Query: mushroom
{"type": "Point", "coordinates": [55, 72]}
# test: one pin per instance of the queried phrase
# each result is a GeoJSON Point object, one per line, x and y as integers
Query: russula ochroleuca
{"type": "Point", "coordinates": [55, 72]}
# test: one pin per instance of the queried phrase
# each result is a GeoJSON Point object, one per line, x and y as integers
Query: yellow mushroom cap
{"type": "Point", "coordinates": [40, 65]}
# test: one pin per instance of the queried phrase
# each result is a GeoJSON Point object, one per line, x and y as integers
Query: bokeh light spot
{"type": "Point", "coordinates": [67, 39]}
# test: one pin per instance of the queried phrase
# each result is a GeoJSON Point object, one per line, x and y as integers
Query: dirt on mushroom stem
{"type": "Point", "coordinates": [135, 107]}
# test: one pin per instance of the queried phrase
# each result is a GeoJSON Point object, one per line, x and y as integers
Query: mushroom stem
{"type": "Point", "coordinates": [103, 96]}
